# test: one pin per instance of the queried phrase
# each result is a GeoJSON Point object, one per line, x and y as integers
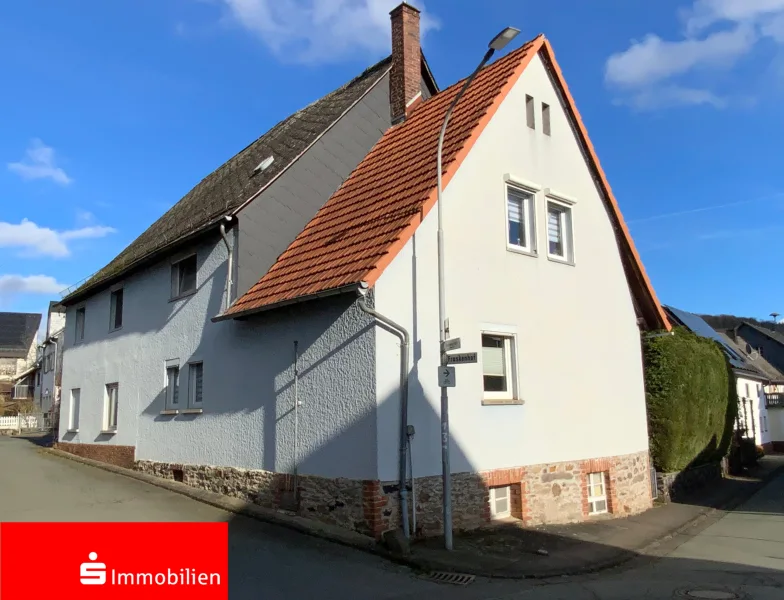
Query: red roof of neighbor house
{"type": "Point", "coordinates": [366, 222]}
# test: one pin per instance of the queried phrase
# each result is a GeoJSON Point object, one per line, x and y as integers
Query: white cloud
{"type": "Point", "coordinates": [717, 34]}
{"type": "Point", "coordinates": [34, 240]}
{"type": "Point", "coordinates": [669, 96]}
{"type": "Point", "coordinates": [321, 31]}
{"type": "Point", "coordinates": [39, 163]}
{"type": "Point", "coordinates": [705, 13]}
{"type": "Point", "coordinates": [30, 284]}
{"type": "Point", "coordinates": [653, 59]}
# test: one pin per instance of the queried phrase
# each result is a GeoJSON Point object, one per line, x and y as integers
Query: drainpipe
{"type": "Point", "coordinates": [230, 261]}
{"type": "Point", "coordinates": [402, 333]}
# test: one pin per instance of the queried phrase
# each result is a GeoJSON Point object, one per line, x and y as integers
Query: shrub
{"type": "Point", "coordinates": [691, 398]}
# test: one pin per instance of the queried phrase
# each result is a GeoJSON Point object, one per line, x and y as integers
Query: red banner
{"type": "Point", "coordinates": [114, 560]}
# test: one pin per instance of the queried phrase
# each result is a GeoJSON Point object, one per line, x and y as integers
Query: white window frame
{"type": "Point", "coordinates": [169, 401]}
{"type": "Point", "coordinates": [566, 223]}
{"type": "Point", "coordinates": [494, 513]}
{"type": "Point", "coordinates": [108, 413]}
{"type": "Point", "coordinates": [79, 335]}
{"type": "Point", "coordinates": [528, 214]}
{"type": "Point", "coordinates": [510, 366]}
{"type": "Point", "coordinates": [192, 402]}
{"type": "Point", "coordinates": [113, 307]}
{"type": "Point", "coordinates": [73, 411]}
{"type": "Point", "coordinates": [593, 499]}
{"type": "Point", "coordinates": [176, 292]}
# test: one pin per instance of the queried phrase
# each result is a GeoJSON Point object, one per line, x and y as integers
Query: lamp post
{"type": "Point", "coordinates": [497, 43]}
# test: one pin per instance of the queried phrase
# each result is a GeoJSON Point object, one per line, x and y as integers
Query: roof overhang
{"type": "Point", "coordinates": [241, 315]}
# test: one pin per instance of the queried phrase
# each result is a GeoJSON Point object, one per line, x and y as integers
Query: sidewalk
{"type": "Point", "coordinates": [507, 550]}
{"type": "Point", "coordinates": [511, 551]}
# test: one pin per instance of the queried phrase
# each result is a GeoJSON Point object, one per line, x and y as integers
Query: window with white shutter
{"type": "Point", "coordinates": [497, 366]}
{"type": "Point", "coordinates": [172, 386]}
{"type": "Point", "coordinates": [559, 232]}
{"type": "Point", "coordinates": [520, 219]}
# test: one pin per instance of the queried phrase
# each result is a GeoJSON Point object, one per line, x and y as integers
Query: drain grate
{"type": "Point", "coordinates": [453, 578]}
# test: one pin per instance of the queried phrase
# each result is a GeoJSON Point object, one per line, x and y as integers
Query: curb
{"type": "Point", "coordinates": [367, 544]}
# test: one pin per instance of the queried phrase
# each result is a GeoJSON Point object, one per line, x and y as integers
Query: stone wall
{"type": "Point", "coordinates": [540, 494]}
{"type": "Point", "coordinates": [121, 456]}
{"type": "Point", "coordinates": [674, 486]}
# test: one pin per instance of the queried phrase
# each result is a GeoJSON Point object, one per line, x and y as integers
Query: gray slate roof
{"type": "Point", "coordinates": [774, 335]}
{"type": "Point", "coordinates": [759, 364]}
{"type": "Point", "coordinates": [17, 332]}
{"type": "Point", "coordinates": [227, 188]}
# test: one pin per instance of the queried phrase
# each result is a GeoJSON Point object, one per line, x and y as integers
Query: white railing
{"type": "Point", "coordinates": [21, 422]}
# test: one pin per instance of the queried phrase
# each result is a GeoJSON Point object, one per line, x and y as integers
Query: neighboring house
{"type": "Point", "coordinates": [48, 388]}
{"type": "Point", "coordinates": [290, 394]}
{"type": "Point", "coordinates": [17, 355]}
{"type": "Point", "coordinates": [759, 384]}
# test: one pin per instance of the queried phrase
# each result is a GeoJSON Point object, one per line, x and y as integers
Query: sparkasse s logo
{"type": "Point", "coordinates": [92, 573]}
{"type": "Point", "coordinates": [118, 561]}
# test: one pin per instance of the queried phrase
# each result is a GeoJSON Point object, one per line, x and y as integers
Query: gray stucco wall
{"type": "Point", "coordinates": [272, 221]}
{"type": "Point", "coordinates": [248, 391]}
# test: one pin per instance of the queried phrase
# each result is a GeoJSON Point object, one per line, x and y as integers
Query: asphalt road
{"type": "Point", "coordinates": [741, 554]}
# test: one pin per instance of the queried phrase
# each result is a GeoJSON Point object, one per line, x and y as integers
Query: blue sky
{"type": "Point", "coordinates": [111, 113]}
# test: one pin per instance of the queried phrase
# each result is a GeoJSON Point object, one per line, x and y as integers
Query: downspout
{"type": "Point", "coordinates": [402, 333]}
{"type": "Point", "coordinates": [230, 261]}
{"type": "Point", "coordinates": [53, 340]}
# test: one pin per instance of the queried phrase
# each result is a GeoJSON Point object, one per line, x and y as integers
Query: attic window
{"type": "Point", "coordinates": [264, 165]}
{"type": "Point", "coordinates": [530, 118]}
{"type": "Point", "coordinates": [545, 118]}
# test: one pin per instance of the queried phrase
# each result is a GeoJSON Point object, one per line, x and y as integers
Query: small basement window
{"type": "Point", "coordinates": [183, 277]}
{"type": "Point", "coordinates": [597, 493]}
{"type": "Point", "coordinates": [500, 501]}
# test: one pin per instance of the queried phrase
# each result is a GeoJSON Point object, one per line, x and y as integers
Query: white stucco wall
{"type": "Point", "coordinates": [751, 390]}
{"type": "Point", "coordinates": [248, 394]}
{"type": "Point", "coordinates": [578, 346]}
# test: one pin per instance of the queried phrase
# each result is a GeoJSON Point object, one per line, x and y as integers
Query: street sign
{"type": "Point", "coordinates": [453, 344]}
{"type": "Point", "coordinates": [462, 358]}
{"type": "Point", "coordinates": [446, 377]}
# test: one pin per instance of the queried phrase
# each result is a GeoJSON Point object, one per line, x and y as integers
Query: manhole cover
{"type": "Point", "coordinates": [709, 594]}
{"type": "Point", "coordinates": [453, 578]}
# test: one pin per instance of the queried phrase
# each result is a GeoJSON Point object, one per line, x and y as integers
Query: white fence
{"type": "Point", "coordinates": [22, 423]}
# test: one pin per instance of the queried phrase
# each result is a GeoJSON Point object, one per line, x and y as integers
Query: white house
{"type": "Point", "coordinates": [47, 392]}
{"type": "Point", "coordinates": [259, 353]}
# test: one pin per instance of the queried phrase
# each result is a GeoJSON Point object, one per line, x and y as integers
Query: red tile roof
{"type": "Point", "coordinates": [366, 222]}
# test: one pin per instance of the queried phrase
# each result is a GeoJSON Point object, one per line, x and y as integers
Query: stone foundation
{"type": "Point", "coordinates": [540, 494]}
{"type": "Point", "coordinates": [121, 456]}
{"type": "Point", "coordinates": [674, 486]}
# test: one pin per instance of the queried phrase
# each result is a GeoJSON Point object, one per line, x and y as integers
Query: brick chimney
{"type": "Point", "coordinates": [404, 80]}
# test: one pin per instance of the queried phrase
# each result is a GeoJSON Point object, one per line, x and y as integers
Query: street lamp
{"type": "Point", "coordinates": [497, 43]}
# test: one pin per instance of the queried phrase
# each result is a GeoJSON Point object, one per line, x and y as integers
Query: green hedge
{"type": "Point", "coordinates": [692, 400]}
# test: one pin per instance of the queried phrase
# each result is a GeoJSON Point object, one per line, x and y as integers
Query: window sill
{"type": "Point", "coordinates": [502, 402]}
{"type": "Point", "coordinates": [558, 259]}
{"type": "Point", "coordinates": [115, 329]}
{"type": "Point", "coordinates": [72, 430]}
{"type": "Point", "coordinates": [520, 250]}
{"type": "Point", "coordinates": [170, 412]}
{"type": "Point", "coordinates": [181, 296]}
{"type": "Point", "coordinates": [192, 411]}
{"type": "Point", "coordinates": [108, 432]}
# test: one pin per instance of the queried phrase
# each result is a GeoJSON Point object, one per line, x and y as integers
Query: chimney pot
{"type": "Point", "coordinates": [405, 77]}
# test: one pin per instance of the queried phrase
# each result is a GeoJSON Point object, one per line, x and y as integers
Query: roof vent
{"type": "Point", "coordinates": [264, 165]}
